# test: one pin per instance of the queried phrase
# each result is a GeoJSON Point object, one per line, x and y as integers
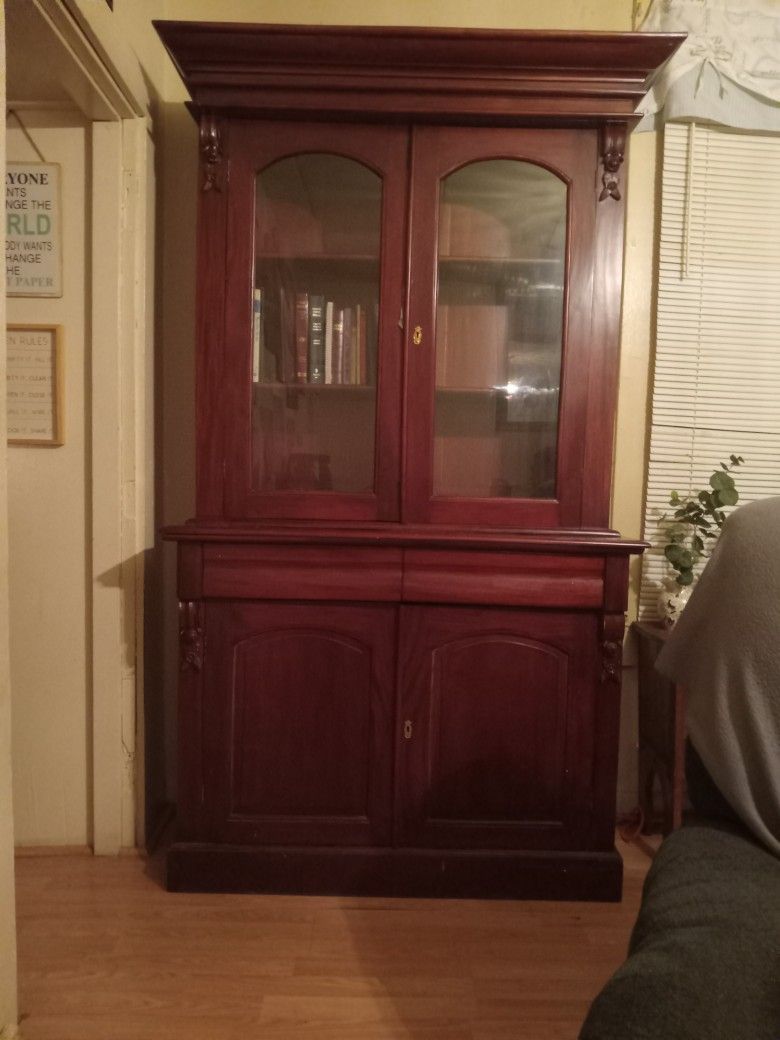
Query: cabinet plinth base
{"type": "Point", "coordinates": [428, 873]}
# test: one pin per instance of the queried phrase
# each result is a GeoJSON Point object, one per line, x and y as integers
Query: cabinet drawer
{"type": "Point", "coordinates": [291, 573]}
{"type": "Point", "coordinates": [502, 579]}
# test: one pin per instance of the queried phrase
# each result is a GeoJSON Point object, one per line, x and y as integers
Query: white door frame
{"type": "Point", "coordinates": [104, 78]}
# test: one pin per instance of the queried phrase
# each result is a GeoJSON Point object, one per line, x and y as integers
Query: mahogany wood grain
{"type": "Point", "coordinates": [616, 584]}
{"type": "Point", "coordinates": [399, 872]}
{"type": "Point", "coordinates": [502, 579]}
{"type": "Point", "coordinates": [558, 541]}
{"type": "Point", "coordinates": [496, 709]}
{"type": "Point", "coordinates": [209, 338]}
{"type": "Point", "coordinates": [190, 764]}
{"type": "Point", "coordinates": [298, 723]}
{"type": "Point", "coordinates": [607, 727]}
{"type": "Point", "coordinates": [429, 73]}
{"type": "Point", "coordinates": [189, 571]}
{"type": "Point", "coordinates": [604, 335]}
{"type": "Point", "coordinates": [389, 691]}
{"type": "Point", "coordinates": [303, 572]}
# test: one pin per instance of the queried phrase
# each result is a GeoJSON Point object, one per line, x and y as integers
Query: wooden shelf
{"type": "Point", "coordinates": [502, 270]}
{"type": "Point", "coordinates": [516, 260]}
{"type": "Point", "coordinates": [316, 262]}
{"type": "Point", "coordinates": [315, 387]}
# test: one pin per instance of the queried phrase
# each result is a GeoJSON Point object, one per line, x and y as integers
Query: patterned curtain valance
{"type": "Point", "coordinates": [726, 72]}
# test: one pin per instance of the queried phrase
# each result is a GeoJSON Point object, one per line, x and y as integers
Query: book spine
{"type": "Point", "coordinates": [316, 339]}
{"type": "Point", "coordinates": [287, 336]}
{"type": "Point", "coordinates": [338, 346]}
{"type": "Point", "coordinates": [301, 337]}
{"type": "Point", "coordinates": [355, 373]}
{"type": "Point", "coordinates": [373, 340]}
{"type": "Point", "coordinates": [258, 345]}
{"type": "Point", "coordinates": [329, 341]}
{"type": "Point", "coordinates": [363, 347]}
{"type": "Point", "coordinates": [346, 363]}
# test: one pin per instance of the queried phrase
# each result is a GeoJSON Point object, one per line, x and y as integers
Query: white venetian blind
{"type": "Point", "coordinates": [717, 369]}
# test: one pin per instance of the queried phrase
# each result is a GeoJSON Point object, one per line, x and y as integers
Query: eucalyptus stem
{"type": "Point", "coordinates": [697, 520]}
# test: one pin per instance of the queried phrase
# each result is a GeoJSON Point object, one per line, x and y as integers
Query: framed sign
{"type": "Point", "coordinates": [34, 378]}
{"type": "Point", "coordinates": [33, 229]}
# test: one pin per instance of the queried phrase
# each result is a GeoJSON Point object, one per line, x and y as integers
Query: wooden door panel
{"type": "Point", "coordinates": [501, 756]}
{"type": "Point", "coordinates": [500, 706]}
{"type": "Point", "coordinates": [312, 722]}
{"type": "Point", "coordinates": [299, 720]}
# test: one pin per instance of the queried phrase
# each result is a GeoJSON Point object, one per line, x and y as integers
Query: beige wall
{"type": "Point", "coordinates": [8, 1002]}
{"type": "Point", "coordinates": [55, 519]}
{"type": "Point", "coordinates": [48, 512]}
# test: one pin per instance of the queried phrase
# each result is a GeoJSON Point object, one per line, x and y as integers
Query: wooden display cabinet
{"type": "Point", "coordinates": [402, 607]}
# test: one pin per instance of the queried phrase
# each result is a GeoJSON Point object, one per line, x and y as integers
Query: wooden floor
{"type": "Point", "coordinates": [106, 954]}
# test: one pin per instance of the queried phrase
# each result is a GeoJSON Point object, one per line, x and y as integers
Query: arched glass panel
{"type": "Point", "coordinates": [499, 330]}
{"type": "Point", "coordinates": [315, 320]}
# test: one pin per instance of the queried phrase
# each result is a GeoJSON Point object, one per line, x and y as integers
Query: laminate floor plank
{"type": "Point", "coordinates": [105, 953]}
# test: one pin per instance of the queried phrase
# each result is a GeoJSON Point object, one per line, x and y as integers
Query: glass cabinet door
{"type": "Point", "coordinates": [315, 320]}
{"type": "Point", "coordinates": [324, 272]}
{"type": "Point", "coordinates": [499, 323]}
{"type": "Point", "coordinates": [491, 341]}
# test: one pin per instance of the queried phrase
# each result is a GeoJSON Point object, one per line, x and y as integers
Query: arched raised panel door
{"type": "Point", "coordinates": [497, 719]}
{"type": "Point", "coordinates": [315, 271]}
{"type": "Point", "coordinates": [297, 723]}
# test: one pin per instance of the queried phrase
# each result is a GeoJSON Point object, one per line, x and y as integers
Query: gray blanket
{"type": "Point", "coordinates": [725, 651]}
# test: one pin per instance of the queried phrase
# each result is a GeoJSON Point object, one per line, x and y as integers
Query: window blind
{"type": "Point", "coordinates": [717, 366]}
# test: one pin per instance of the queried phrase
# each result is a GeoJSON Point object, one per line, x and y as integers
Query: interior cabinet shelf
{"type": "Point", "coordinates": [401, 605]}
{"type": "Point", "coordinates": [316, 260]}
{"type": "Point", "coordinates": [314, 388]}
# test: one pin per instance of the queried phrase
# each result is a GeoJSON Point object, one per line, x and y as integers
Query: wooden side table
{"type": "Point", "coordinates": [661, 735]}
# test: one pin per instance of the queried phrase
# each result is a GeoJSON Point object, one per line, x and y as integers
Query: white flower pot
{"type": "Point", "coordinates": [671, 601]}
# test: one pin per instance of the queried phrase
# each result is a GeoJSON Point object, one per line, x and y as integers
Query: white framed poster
{"type": "Point", "coordinates": [34, 385]}
{"type": "Point", "coordinates": [33, 229]}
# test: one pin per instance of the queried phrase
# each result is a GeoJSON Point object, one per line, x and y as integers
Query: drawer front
{"type": "Point", "coordinates": [301, 572]}
{"type": "Point", "coordinates": [502, 579]}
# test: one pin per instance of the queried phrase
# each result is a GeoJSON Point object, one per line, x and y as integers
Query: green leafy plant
{"type": "Point", "coordinates": [697, 519]}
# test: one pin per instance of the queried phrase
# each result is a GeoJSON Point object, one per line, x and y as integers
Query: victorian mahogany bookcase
{"type": "Point", "coordinates": [402, 608]}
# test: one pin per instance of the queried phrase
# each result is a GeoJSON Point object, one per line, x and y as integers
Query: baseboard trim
{"type": "Point", "coordinates": [40, 851]}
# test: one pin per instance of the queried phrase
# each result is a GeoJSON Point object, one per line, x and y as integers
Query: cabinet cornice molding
{"type": "Point", "coordinates": [503, 76]}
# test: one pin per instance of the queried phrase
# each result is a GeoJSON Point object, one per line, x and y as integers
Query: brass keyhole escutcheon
{"type": "Point", "coordinates": [417, 335]}
{"type": "Point", "coordinates": [408, 729]}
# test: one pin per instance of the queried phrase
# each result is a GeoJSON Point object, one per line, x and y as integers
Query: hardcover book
{"type": "Point", "coordinates": [329, 341]}
{"type": "Point", "coordinates": [258, 339]}
{"type": "Point", "coordinates": [301, 337]}
{"type": "Point", "coordinates": [338, 346]}
{"type": "Point", "coordinates": [316, 339]}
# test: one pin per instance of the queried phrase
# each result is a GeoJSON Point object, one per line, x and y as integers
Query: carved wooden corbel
{"type": "Point", "coordinates": [611, 661]}
{"type": "Point", "coordinates": [211, 152]}
{"type": "Point", "coordinates": [191, 636]}
{"type": "Point", "coordinates": [612, 148]}
{"type": "Point", "coordinates": [612, 629]}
